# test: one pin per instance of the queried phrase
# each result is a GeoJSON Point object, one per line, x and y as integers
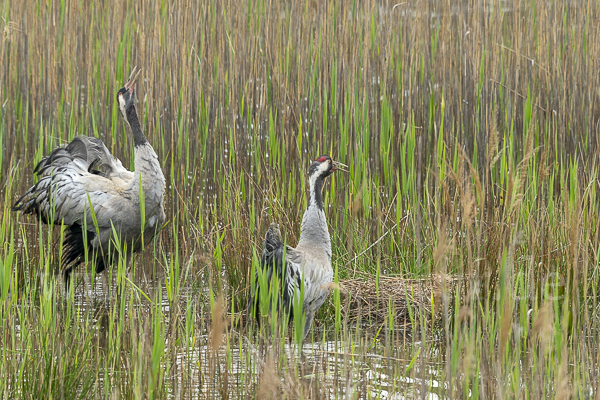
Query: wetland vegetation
{"type": "Point", "coordinates": [465, 236]}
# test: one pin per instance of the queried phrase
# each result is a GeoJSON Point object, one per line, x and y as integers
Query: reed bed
{"type": "Point", "coordinates": [471, 132]}
{"type": "Point", "coordinates": [402, 301]}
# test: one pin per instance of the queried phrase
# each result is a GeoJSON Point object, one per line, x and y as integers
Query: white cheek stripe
{"type": "Point", "coordinates": [122, 104]}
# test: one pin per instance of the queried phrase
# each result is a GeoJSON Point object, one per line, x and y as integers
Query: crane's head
{"type": "Point", "coordinates": [126, 95]}
{"type": "Point", "coordinates": [320, 169]}
{"type": "Point", "coordinates": [324, 166]}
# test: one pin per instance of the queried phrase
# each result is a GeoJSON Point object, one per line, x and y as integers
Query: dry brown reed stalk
{"type": "Point", "coordinates": [366, 300]}
{"type": "Point", "coordinates": [563, 390]}
{"type": "Point", "coordinates": [9, 30]}
{"type": "Point", "coordinates": [543, 326]}
{"type": "Point", "coordinates": [269, 381]}
{"type": "Point", "coordinates": [506, 322]}
{"type": "Point", "coordinates": [219, 324]}
{"type": "Point", "coordinates": [442, 248]}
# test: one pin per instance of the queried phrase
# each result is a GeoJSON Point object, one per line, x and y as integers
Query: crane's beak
{"type": "Point", "coordinates": [130, 85]}
{"type": "Point", "coordinates": [339, 166]}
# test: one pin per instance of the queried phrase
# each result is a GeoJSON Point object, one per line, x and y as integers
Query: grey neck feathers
{"type": "Point", "coordinates": [147, 167]}
{"type": "Point", "coordinates": [314, 234]}
{"type": "Point", "coordinates": [149, 174]}
{"type": "Point", "coordinates": [138, 136]}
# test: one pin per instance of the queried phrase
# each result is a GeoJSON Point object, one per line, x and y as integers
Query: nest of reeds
{"type": "Point", "coordinates": [407, 301]}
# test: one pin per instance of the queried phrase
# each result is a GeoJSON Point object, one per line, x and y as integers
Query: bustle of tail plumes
{"type": "Point", "coordinates": [272, 261]}
{"type": "Point", "coordinates": [272, 240]}
{"type": "Point", "coordinates": [29, 202]}
{"type": "Point", "coordinates": [37, 200]}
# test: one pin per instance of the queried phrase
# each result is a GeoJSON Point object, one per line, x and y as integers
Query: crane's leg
{"type": "Point", "coordinates": [67, 274]}
{"type": "Point", "coordinates": [128, 259]}
{"type": "Point", "coordinates": [307, 323]}
{"type": "Point", "coordinates": [129, 272]}
{"type": "Point", "coordinates": [67, 277]}
{"type": "Point", "coordinates": [100, 265]}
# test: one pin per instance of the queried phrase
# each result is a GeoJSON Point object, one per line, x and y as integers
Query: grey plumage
{"type": "Point", "coordinates": [82, 182]}
{"type": "Point", "coordinates": [308, 265]}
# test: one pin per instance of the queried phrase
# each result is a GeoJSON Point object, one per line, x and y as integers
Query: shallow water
{"type": "Point", "coordinates": [329, 366]}
{"type": "Point", "coordinates": [332, 368]}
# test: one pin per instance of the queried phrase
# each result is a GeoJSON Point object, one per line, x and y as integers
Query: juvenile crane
{"type": "Point", "coordinates": [309, 263]}
{"type": "Point", "coordinates": [82, 182]}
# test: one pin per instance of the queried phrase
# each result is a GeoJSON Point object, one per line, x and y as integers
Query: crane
{"type": "Point", "coordinates": [307, 267]}
{"type": "Point", "coordinates": [82, 186]}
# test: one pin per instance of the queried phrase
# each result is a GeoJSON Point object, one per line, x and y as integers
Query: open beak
{"type": "Point", "coordinates": [130, 85]}
{"type": "Point", "coordinates": [339, 166]}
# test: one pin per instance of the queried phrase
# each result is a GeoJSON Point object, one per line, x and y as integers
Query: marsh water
{"type": "Point", "coordinates": [361, 366]}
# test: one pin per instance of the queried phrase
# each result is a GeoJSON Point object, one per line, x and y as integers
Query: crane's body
{"type": "Point", "coordinates": [84, 187]}
{"type": "Point", "coordinates": [307, 267]}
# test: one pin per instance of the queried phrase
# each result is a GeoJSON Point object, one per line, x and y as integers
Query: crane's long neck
{"type": "Point", "coordinates": [314, 233]}
{"type": "Point", "coordinates": [139, 139]}
{"type": "Point", "coordinates": [147, 167]}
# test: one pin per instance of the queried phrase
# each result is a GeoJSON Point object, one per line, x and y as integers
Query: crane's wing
{"type": "Point", "coordinates": [86, 154]}
{"type": "Point", "coordinates": [283, 261]}
{"type": "Point", "coordinates": [71, 195]}
{"type": "Point", "coordinates": [77, 181]}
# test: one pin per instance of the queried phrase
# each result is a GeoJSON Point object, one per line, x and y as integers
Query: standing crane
{"type": "Point", "coordinates": [84, 187]}
{"type": "Point", "coordinates": [307, 267]}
